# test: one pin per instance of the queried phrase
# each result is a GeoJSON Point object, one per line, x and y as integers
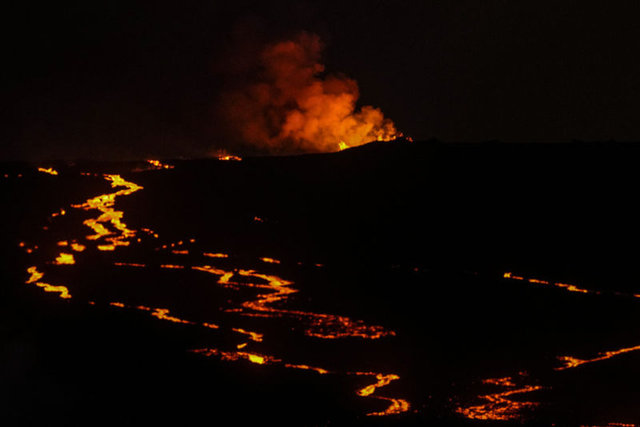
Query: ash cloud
{"type": "Point", "coordinates": [286, 103]}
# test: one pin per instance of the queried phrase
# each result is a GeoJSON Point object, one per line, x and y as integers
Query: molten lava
{"type": "Point", "coordinates": [50, 171]}
{"type": "Point", "coordinates": [35, 279]}
{"type": "Point", "coordinates": [267, 294]}
{"type": "Point", "coordinates": [65, 258]}
{"type": "Point", "coordinates": [569, 287]}
{"type": "Point", "coordinates": [104, 204]}
{"type": "Point", "coordinates": [396, 406]}
{"type": "Point", "coordinates": [500, 406]}
{"type": "Point", "coordinates": [157, 164]}
{"type": "Point", "coordinates": [573, 362]}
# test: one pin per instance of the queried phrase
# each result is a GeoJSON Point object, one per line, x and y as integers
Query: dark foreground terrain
{"type": "Point", "coordinates": [394, 283]}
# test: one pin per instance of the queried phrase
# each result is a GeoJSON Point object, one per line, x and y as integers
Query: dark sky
{"type": "Point", "coordinates": [108, 79]}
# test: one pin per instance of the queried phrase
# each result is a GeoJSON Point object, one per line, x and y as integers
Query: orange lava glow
{"type": "Point", "coordinates": [128, 264]}
{"type": "Point", "coordinates": [254, 336]}
{"type": "Point", "coordinates": [216, 255]}
{"type": "Point", "coordinates": [613, 425]}
{"type": "Point", "coordinates": [396, 406]}
{"type": "Point", "coordinates": [65, 258]}
{"type": "Point", "coordinates": [325, 326]}
{"type": "Point", "coordinates": [157, 164]}
{"type": "Point", "coordinates": [499, 406]}
{"type": "Point", "coordinates": [35, 277]}
{"type": "Point", "coordinates": [307, 367]}
{"type": "Point", "coordinates": [104, 203]}
{"type": "Point", "coordinates": [569, 287]}
{"type": "Point", "coordinates": [267, 297]}
{"type": "Point", "coordinates": [50, 171]}
{"type": "Point", "coordinates": [78, 247]}
{"type": "Point", "coordinates": [229, 157]}
{"type": "Point", "coordinates": [163, 314]}
{"type": "Point", "coordinates": [573, 362]}
{"type": "Point", "coordinates": [383, 380]}
{"type": "Point", "coordinates": [504, 382]}
{"type": "Point", "coordinates": [172, 266]}
{"type": "Point", "coordinates": [259, 359]}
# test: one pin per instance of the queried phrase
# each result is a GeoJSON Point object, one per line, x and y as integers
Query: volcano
{"type": "Point", "coordinates": [398, 282]}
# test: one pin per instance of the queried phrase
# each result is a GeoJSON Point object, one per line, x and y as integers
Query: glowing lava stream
{"type": "Point", "coordinates": [104, 203]}
{"type": "Point", "coordinates": [396, 406]}
{"type": "Point", "coordinates": [567, 286]}
{"type": "Point", "coordinates": [499, 406]}
{"type": "Point", "coordinates": [35, 277]}
{"type": "Point", "coordinates": [573, 362]}
{"type": "Point", "coordinates": [110, 232]}
{"type": "Point", "coordinates": [326, 326]}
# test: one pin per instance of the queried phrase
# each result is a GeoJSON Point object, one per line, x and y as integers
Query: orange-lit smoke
{"type": "Point", "coordinates": [292, 107]}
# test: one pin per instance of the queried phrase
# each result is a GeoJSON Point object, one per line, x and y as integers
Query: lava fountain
{"type": "Point", "coordinates": [290, 105]}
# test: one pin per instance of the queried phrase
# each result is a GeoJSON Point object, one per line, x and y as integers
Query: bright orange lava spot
{"type": "Point", "coordinates": [78, 247]}
{"type": "Point", "coordinates": [270, 260]}
{"type": "Point", "coordinates": [237, 355]}
{"type": "Point", "coordinates": [157, 164]}
{"type": "Point", "coordinates": [50, 171]}
{"type": "Point", "coordinates": [229, 157]}
{"type": "Point", "coordinates": [65, 258]}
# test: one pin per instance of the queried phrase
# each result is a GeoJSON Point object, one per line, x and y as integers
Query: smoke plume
{"type": "Point", "coordinates": [290, 106]}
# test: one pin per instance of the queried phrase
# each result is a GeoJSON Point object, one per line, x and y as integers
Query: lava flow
{"type": "Point", "coordinates": [111, 233]}
{"type": "Point", "coordinates": [500, 406]}
{"type": "Point", "coordinates": [104, 203]}
{"type": "Point", "coordinates": [396, 406]}
{"type": "Point", "coordinates": [321, 325]}
{"type": "Point", "coordinates": [573, 362]}
{"type": "Point", "coordinates": [567, 286]}
{"type": "Point", "coordinates": [35, 277]}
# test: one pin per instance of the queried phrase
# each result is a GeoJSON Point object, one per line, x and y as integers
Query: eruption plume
{"type": "Point", "coordinates": [292, 107]}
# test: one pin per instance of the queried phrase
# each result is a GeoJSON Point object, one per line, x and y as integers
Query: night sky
{"type": "Point", "coordinates": [106, 79]}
